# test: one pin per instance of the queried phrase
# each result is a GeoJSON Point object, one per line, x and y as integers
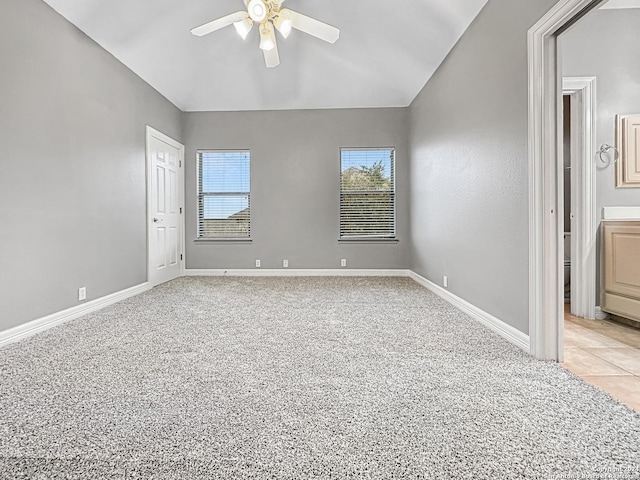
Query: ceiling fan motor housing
{"type": "Point", "coordinates": [258, 10]}
{"type": "Point", "coordinates": [269, 15]}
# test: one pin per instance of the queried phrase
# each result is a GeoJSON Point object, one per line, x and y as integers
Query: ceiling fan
{"type": "Point", "coordinates": [268, 14]}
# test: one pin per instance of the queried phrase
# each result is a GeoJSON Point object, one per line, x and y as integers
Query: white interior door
{"type": "Point", "coordinates": [165, 207]}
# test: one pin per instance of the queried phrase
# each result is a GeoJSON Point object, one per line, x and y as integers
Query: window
{"type": "Point", "coordinates": [367, 193]}
{"type": "Point", "coordinates": [224, 194]}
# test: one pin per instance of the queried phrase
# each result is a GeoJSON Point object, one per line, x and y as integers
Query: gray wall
{"type": "Point", "coordinates": [469, 178]}
{"type": "Point", "coordinates": [295, 169]}
{"type": "Point", "coordinates": [72, 184]}
{"type": "Point", "coordinates": [604, 44]}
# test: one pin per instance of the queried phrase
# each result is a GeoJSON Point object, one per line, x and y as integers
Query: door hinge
{"type": "Point", "coordinates": [180, 209]}
{"type": "Point", "coordinates": [180, 256]}
{"type": "Point", "coordinates": [180, 163]}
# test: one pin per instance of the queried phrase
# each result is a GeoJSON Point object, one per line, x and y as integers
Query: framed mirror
{"type": "Point", "coordinates": [628, 145]}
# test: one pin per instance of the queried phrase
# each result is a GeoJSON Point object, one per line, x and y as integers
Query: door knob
{"type": "Point", "coordinates": [156, 220]}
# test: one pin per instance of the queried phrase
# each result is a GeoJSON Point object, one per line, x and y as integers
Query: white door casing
{"type": "Point", "coordinates": [165, 204]}
{"type": "Point", "coordinates": [584, 224]}
{"type": "Point", "coordinates": [546, 297]}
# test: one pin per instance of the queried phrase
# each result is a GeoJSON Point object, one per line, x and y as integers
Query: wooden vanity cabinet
{"type": "Point", "coordinates": [620, 257]}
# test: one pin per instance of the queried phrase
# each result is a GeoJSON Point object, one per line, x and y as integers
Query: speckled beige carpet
{"type": "Point", "coordinates": [289, 378]}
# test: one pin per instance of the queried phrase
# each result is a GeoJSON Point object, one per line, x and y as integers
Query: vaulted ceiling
{"type": "Point", "coordinates": [386, 52]}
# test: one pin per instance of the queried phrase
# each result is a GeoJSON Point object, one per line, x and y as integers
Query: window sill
{"type": "Point", "coordinates": [368, 240]}
{"type": "Point", "coordinates": [222, 240]}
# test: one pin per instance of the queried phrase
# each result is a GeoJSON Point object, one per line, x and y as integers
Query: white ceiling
{"type": "Point", "coordinates": [621, 4]}
{"type": "Point", "coordinates": [386, 52]}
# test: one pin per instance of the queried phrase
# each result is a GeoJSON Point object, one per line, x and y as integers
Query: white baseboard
{"type": "Point", "coordinates": [506, 331]}
{"type": "Point", "coordinates": [600, 315]}
{"type": "Point", "coordinates": [501, 328]}
{"type": "Point", "coordinates": [31, 328]}
{"type": "Point", "coordinates": [296, 272]}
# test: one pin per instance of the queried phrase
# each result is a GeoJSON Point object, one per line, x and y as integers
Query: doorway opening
{"type": "Point", "coordinates": [546, 173]}
{"type": "Point", "coordinates": [580, 224]}
{"type": "Point", "coordinates": [616, 372]}
{"type": "Point", "coordinates": [566, 182]}
{"type": "Point", "coordinates": [602, 352]}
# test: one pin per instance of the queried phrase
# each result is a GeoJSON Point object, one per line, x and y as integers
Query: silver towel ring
{"type": "Point", "coordinates": [604, 149]}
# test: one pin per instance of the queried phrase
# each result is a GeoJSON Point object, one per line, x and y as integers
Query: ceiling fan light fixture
{"type": "Point", "coordinates": [269, 17]}
{"type": "Point", "coordinates": [284, 24]}
{"type": "Point", "coordinates": [267, 38]}
{"type": "Point", "coordinates": [257, 10]}
{"type": "Point", "coordinates": [243, 27]}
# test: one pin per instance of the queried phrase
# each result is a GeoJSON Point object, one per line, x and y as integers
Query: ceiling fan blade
{"type": "Point", "coordinates": [314, 27]}
{"type": "Point", "coordinates": [219, 23]}
{"type": "Point", "coordinates": [271, 57]}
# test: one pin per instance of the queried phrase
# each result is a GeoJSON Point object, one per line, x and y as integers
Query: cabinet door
{"type": "Point", "coordinates": [622, 258]}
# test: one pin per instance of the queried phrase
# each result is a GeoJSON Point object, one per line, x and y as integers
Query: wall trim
{"type": "Point", "coordinates": [29, 329]}
{"type": "Point", "coordinates": [296, 272]}
{"type": "Point", "coordinates": [494, 324]}
{"type": "Point", "coordinates": [546, 296]}
{"type": "Point", "coordinates": [584, 221]}
{"type": "Point", "coordinates": [506, 331]}
{"type": "Point", "coordinates": [600, 314]}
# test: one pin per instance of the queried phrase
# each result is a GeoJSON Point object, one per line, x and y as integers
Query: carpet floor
{"type": "Point", "coordinates": [293, 378]}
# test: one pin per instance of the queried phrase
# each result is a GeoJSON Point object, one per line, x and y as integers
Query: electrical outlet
{"type": "Point", "coordinates": [445, 281]}
{"type": "Point", "coordinates": [343, 262]}
{"type": "Point", "coordinates": [257, 263]}
{"type": "Point", "coordinates": [82, 293]}
{"type": "Point", "coordinates": [285, 263]}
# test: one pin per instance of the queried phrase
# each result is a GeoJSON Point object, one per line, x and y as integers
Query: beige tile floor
{"type": "Point", "coordinates": [605, 354]}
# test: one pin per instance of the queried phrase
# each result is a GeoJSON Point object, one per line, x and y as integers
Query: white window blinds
{"type": "Point", "coordinates": [224, 194]}
{"type": "Point", "coordinates": [367, 193]}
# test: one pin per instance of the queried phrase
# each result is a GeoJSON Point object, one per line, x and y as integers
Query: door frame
{"type": "Point", "coordinates": [546, 298]}
{"type": "Point", "coordinates": [152, 132]}
{"type": "Point", "coordinates": [584, 224]}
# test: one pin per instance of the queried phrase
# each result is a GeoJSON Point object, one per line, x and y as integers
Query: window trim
{"type": "Point", "coordinates": [369, 238]}
{"type": "Point", "coordinates": [199, 194]}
